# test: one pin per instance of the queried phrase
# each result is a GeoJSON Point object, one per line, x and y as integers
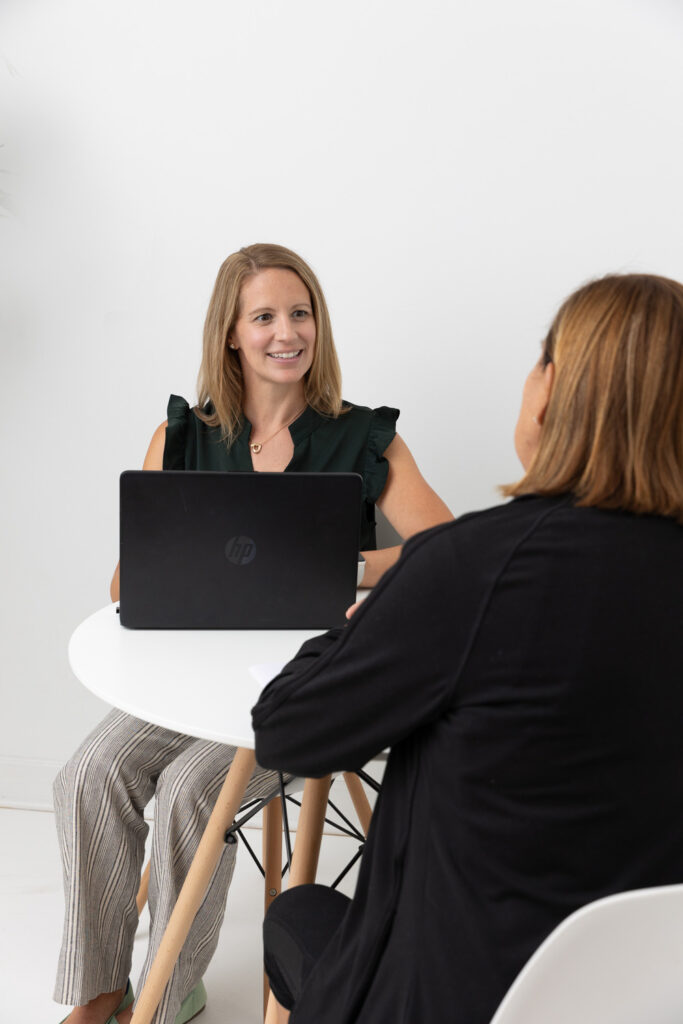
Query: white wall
{"type": "Point", "coordinates": [451, 170]}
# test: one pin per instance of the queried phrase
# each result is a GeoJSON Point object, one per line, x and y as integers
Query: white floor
{"type": "Point", "coordinates": [31, 900]}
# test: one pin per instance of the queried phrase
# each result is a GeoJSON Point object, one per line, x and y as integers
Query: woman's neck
{"type": "Point", "coordinates": [268, 407]}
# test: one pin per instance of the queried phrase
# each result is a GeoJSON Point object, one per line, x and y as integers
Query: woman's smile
{"type": "Point", "coordinates": [285, 356]}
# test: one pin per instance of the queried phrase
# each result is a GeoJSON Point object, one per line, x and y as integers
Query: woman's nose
{"type": "Point", "coordinates": [284, 328]}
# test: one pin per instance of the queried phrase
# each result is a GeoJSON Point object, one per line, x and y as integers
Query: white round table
{"type": "Point", "coordinates": [200, 682]}
{"type": "Point", "coordinates": [192, 681]}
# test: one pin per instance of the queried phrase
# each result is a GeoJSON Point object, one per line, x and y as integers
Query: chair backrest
{"type": "Point", "coordinates": [616, 961]}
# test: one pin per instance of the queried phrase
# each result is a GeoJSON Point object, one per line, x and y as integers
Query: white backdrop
{"type": "Point", "coordinates": [451, 171]}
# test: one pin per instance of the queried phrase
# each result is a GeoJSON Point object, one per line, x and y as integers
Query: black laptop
{"type": "Point", "coordinates": [206, 550]}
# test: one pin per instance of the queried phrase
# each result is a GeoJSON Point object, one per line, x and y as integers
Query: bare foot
{"type": "Point", "coordinates": [98, 1010]}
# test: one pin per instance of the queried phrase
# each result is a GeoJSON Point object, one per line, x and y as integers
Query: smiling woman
{"type": "Point", "coordinates": [269, 399]}
{"type": "Point", "coordinates": [258, 286]}
{"type": "Point", "coordinates": [274, 335]}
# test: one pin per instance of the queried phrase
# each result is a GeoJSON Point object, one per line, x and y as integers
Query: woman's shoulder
{"type": "Point", "coordinates": [183, 416]}
{"type": "Point", "coordinates": [185, 430]}
{"type": "Point", "coordinates": [363, 435]}
{"type": "Point", "coordinates": [500, 525]}
{"type": "Point", "coordinates": [366, 421]}
{"type": "Point", "coordinates": [179, 411]}
{"type": "Point", "coordinates": [552, 523]}
{"type": "Point", "coordinates": [367, 413]}
{"type": "Point", "coordinates": [178, 416]}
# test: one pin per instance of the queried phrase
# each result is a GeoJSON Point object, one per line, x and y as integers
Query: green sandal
{"type": "Point", "coordinates": [192, 1004]}
{"type": "Point", "coordinates": [128, 997]}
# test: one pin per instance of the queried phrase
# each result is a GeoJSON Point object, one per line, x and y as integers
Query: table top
{"type": "Point", "coordinates": [196, 682]}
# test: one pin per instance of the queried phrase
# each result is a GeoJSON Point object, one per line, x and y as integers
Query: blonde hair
{"type": "Point", "coordinates": [220, 379]}
{"type": "Point", "coordinates": [613, 430]}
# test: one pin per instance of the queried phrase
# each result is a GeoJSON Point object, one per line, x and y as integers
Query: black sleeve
{"type": "Point", "coordinates": [354, 691]}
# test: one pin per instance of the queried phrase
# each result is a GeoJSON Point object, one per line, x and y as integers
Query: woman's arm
{"type": "Point", "coordinates": [356, 690]}
{"type": "Point", "coordinates": [410, 505]}
{"type": "Point", "coordinates": [154, 459]}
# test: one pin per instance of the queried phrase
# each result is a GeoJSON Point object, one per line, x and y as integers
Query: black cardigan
{"type": "Point", "coordinates": [525, 664]}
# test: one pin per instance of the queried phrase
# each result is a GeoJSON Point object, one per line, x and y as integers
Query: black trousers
{"type": "Point", "coordinates": [296, 929]}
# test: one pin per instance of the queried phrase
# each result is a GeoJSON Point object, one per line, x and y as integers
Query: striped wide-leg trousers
{"type": "Point", "coordinates": [100, 796]}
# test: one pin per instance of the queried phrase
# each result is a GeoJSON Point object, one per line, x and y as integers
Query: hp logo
{"type": "Point", "coordinates": [240, 550]}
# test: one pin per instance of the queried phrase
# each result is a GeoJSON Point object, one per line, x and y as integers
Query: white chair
{"type": "Point", "coordinates": [616, 961]}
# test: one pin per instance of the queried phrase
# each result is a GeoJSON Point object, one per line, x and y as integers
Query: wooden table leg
{"type": "Point", "coordinates": [196, 884]}
{"type": "Point", "coordinates": [272, 849]}
{"type": "Point", "coordinates": [309, 833]}
{"type": "Point", "coordinates": [360, 800]}
{"type": "Point", "coordinates": [272, 863]}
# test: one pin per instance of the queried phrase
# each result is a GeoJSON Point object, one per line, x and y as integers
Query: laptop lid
{"type": "Point", "coordinates": [202, 550]}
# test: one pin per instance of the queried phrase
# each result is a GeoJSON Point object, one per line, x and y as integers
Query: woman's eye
{"type": "Point", "coordinates": [301, 314]}
{"type": "Point", "coordinates": [264, 318]}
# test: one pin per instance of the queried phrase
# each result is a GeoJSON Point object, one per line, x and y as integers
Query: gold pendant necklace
{"type": "Point", "coordinates": [256, 446]}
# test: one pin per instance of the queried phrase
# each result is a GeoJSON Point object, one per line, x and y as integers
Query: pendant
{"type": "Point", "coordinates": [256, 448]}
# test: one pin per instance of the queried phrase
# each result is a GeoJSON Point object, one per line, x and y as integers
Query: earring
{"type": "Point", "coordinates": [233, 347]}
{"type": "Point", "coordinates": [535, 420]}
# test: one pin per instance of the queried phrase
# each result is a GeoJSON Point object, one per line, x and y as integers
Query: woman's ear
{"type": "Point", "coordinates": [544, 393]}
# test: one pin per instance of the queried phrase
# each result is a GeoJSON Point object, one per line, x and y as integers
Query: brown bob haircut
{"type": "Point", "coordinates": [613, 430]}
{"type": "Point", "coordinates": [220, 379]}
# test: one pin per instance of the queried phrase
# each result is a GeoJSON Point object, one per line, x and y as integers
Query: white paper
{"type": "Point", "coordinates": [266, 671]}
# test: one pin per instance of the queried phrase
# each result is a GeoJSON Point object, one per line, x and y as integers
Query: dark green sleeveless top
{"type": "Point", "coordinates": [355, 442]}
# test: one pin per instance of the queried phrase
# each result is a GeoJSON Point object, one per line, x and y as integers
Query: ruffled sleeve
{"type": "Point", "coordinates": [178, 414]}
{"type": "Point", "coordinates": [381, 434]}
